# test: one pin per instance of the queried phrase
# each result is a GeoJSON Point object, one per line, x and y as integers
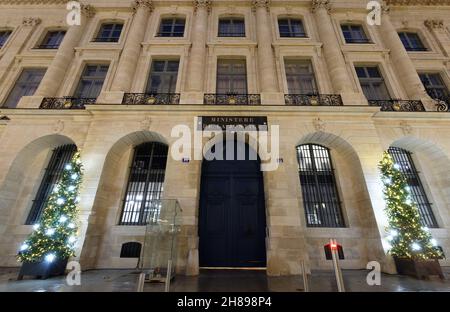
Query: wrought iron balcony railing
{"type": "Point", "coordinates": [151, 98]}
{"type": "Point", "coordinates": [66, 102]}
{"type": "Point", "coordinates": [231, 99]}
{"type": "Point", "coordinates": [396, 105]}
{"type": "Point", "coordinates": [313, 99]}
{"type": "Point", "coordinates": [443, 104]}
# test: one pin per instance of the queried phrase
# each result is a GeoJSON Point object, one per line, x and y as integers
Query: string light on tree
{"type": "Point", "coordinates": [407, 237]}
{"type": "Point", "coordinates": [54, 236]}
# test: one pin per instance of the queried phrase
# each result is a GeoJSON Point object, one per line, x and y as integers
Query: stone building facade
{"type": "Point", "coordinates": [328, 40]}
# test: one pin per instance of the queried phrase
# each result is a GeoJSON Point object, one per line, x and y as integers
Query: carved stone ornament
{"type": "Point", "coordinates": [145, 123]}
{"type": "Point", "coordinates": [318, 124]}
{"type": "Point", "coordinates": [148, 4]}
{"type": "Point", "coordinates": [202, 4]}
{"type": "Point", "coordinates": [317, 4]}
{"type": "Point", "coordinates": [31, 21]}
{"type": "Point", "coordinates": [433, 24]}
{"type": "Point", "coordinates": [260, 4]}
{"type": "Point", "coordinates": [406, 127]}
{"type": "Point", "coordinates": [58, 127]}
{"type": "Point", "coordinates": [87, 10]}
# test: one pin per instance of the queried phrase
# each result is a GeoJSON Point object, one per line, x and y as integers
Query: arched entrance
{"type": "Point", "coordinates": [232, 217]}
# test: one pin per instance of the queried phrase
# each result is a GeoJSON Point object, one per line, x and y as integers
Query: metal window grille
{"type": "Point", "coordinates": [131, 250]}
{"type": "Point", "coordinates": [411, 41]}
{"type": "Point", "coordinates": [171, 27]}
{"type": "Point", "coordinates": [404, 160]}
{"type": "Point", "coordinates": [53, 173]}
{"type": "Point", "coordinates": [4, 35]}
{"type": "Point", "coordinates": [320, 195]}
{"type": "Point", "coordinates": [289, 27]}
{"type": "Point", "coordinates": [142, 202]}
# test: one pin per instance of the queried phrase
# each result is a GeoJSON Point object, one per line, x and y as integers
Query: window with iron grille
{"type": "Point", "coordinates": [131, 250]}
{"type": "Point", "coordinates": [354, 34]}
{"type": "Point", "coordinates": [52, 175]}
{"type": "Point", "coordinates": [27, 84]}
{"type": "Point", "coordinates": [300, 77]}
{"type": "Point", "coordinates": [171, 27]}
{"type": "Point", "coordinates": [434, 85]}
{"type": "Point", "coordinates": [411, 41]}
{"type": "Point", "coordinates": [404, 160]}
{"type": "Point", "coordinates": [91, 81]}
{"type": "Point", "coordinates": [231, 27]}
{"type": "Point", "coordinates": [320, 194]}
{"type": "Point", "coordinates": [109, 32]}
{"type": "Point", "coordinates": [289, 27]}
{"type": "Point", "coordinates": [52, 39]}
{"type": "Point", "coordinates": [372, 83]}
{"type": "Point", "coordinates": [163, 76]}
{"type": "Point", "coordinates": [142, 202]}
{"type": "Point", "coordinates": [231, 76]}
{"type": "Point", "coordinates": [4, 35]}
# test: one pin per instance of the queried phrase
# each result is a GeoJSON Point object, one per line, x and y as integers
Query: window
{"type": "Point", "coordinates": [320, 195]}
{"type": "Point", "coordinates": [131, 250]}
{"type": "Point", "coordinates": [300, 77]}
{"type": "Point", "coordinates": [404, 160]}
{"type": "Point", "coordinates": [434, 85]}
{"type": "Point", "coordinates": [4, 35]}
{"type": "Point", "coordinates": [411, 41]}
{"type": "Point", "coordinates": [53, 173]}
{"type": "Point", "coordinates": [354, 34]}
{"type": "Point", "coordinates": [109, 32]}
{"type": "Point", "coordinates": [163, 76]}
{"type": "Point", "coordinates": [231, 27]}
{"type": "Point", "coordinates": [231, 77]}
{"type": "Point", "coordinates": [52, 40]}
{"type": "Point", "coordinates": [372, 83]}
{"type": "Point", "coordinates": [171, 27]}
{"type": "Point", "coordinates": [27, 84]}
{"type": "Point", "coordinates": [91, 81]}
{"type": "Point", "coordinates": [145, 184]}
{"type": "Point", "coordinates": [289, 27]}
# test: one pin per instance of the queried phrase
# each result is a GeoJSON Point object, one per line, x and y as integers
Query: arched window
{"type": "Point", "coordinates": [320, 195]}
{"type": "Point", "coordinates": [53, 173]}
{"type": "Point", "coordinates": [231, 27]}
{"type": "Point", "coordinates": [411, 41]}
{"type": "Point", "coordinates": [404, 160]}
{"type": "Point", "coordinates": [130, 250]}
{"type": "Point", "coordinates": [291, 27]}
{"type": "Point", "coordinates": [145, 184]}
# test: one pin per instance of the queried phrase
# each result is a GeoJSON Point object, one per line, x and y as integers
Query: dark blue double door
{"type": "Point", "coordinates": [232, 220]}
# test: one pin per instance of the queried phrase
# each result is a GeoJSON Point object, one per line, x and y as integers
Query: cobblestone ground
{"type": "Point", "coordinates": [222, 281]}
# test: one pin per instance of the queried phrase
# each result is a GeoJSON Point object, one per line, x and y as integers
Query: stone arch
{"type": "Point", "coordinates": [103, 237]}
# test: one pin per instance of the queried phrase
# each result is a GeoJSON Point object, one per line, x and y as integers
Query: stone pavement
{"type": "Point", "coordinates": [221, 281]}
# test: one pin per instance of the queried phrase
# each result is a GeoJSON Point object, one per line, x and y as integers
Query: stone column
{"type": "Point", "coordinates": [130, 54]}
{"type": "Point", "coordinates": [17, 43]}
{"type": "Point", "coordinates": [403, 65]}
{"type": "Point", "coordinates": [337, 67]}
{"type": "Point", "coordinates": [442, 36]}
{"type": "Point", "coordinates": [197, 56]}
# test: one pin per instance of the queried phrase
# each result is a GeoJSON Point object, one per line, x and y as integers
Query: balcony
{"type": "Point", "coordinates": [66, 102]}
{"type": "Point", "coordinates": [313, 99]}
{"type": "Point", "coordinates": [396, 105]}
{"type": "Point", "coordinates": [443, 104]}
{"type": "Point", "coordinates": [231, 99]}
{"type": "Point", "coordinates": [151, 98]}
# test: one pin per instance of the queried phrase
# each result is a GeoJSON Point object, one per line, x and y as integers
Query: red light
{"type": "Point", "coordinates": [333, 246]}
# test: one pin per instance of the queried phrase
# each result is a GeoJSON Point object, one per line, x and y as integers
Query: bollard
{"type": "Point", "coordinates": [305, 276]}
{"type": "Point", "coordinates": [140, 285]}
{"type": "Point", "coordinates": [337, 269]}
{"type": "Point", "coordinates": [168, 275]}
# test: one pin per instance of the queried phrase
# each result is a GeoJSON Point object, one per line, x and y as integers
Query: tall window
{"type": "Point", "coordinates": [27, 84]}
{"type": "Point", "coordinates": [289, 27]}
{"type": "Point", "coordinates": [53, 173]}
{"type": "Point", "coordinates": [372, 83]}
{"type": "Point", "coordinates": [163, 76]}
{"type": "Point", "coordinates": [354, 34]}
{"type": "Point", "coordinates": [320, 195]}
{"type": "Point", "coordinates": [404, 160]}
{"type": "Point", "coordinates": [231, 77]}
{"type": "Point", "coordinates": [91, 81]}
{"type": "Point", "coordinates": [145, 184]}
{"type": "Point", "coordinates": [4, 35]}
{"type": "Point", "coordinates": [231, 27]}
{"type": "Point", "coordinates": [109, 32]}
{"type": "Point", "coordinates": [52, 40]}
{"type": "Point", "coordinates": [300, 77]}
{"type": "Point", "coordinates": [411, 41]}
{"type": "Point", "coordinates": [171, 27]}
{"type": "Point", "coordinates": [434, 85]}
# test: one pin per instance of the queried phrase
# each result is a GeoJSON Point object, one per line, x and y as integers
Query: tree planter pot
{"type": "Point", "coordinates": [43, 269]}
{"type": "Point", "coordinates": [420, 269]}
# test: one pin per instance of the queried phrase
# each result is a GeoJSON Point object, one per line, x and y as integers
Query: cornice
{"type": "Point", "coordinates": [417, 2]}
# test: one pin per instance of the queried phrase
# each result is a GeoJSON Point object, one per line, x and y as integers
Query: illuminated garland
{"type": "Point", "coordinates": [407, 237]}
{"type": "Point", "coordinates": [55, 236]}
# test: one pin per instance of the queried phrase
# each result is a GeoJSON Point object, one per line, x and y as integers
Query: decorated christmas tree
{"type": "Point", "coordinates": [407, 237]}
{"type": "Point", "coordinates": [54, 237]}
